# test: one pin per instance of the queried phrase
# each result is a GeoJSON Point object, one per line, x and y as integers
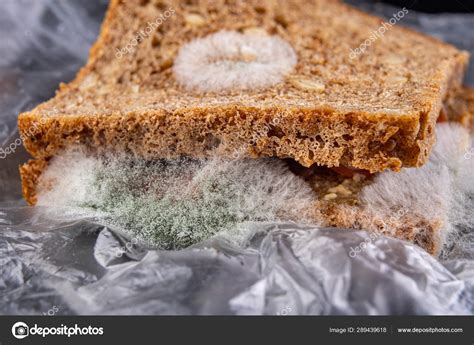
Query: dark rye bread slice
{"type": "Point", "coordinates": [374, 111]}
{"type": "Point", "coordinates": [341, 211]}
{"type": "Point", "coordinates": [338, 197]}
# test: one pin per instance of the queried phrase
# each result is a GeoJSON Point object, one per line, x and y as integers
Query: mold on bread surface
{"type": "Point", "coordinates": [374, 111]}
{"type": "Point", "coordinates": [429, 206]}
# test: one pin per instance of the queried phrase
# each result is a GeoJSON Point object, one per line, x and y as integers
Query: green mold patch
{"type": "Point", "coordinates": [172, 204]}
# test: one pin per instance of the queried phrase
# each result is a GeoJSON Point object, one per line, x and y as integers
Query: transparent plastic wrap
{"type": "Point", "coordinates": [75, 265]}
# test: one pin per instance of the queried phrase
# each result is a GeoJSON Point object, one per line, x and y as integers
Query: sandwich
{"type": "Point", "coordinates": [285, 81]}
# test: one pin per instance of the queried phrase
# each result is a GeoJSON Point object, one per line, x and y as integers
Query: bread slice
{"type": "Point", "coordinates": [258, 78]}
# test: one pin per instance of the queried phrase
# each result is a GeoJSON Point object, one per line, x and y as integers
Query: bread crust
{"type": "Point", "coordinates": [30, 173]}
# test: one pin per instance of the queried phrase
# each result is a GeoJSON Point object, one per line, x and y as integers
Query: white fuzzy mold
{"type": "Point", "coordinates": [228, 60]}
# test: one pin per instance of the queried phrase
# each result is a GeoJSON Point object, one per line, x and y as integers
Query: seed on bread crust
{"type": "Point", "coordinates": [340, 190]}
{"type": "Point", "coordinates": [306, 84]}
{"type": "Point", "coordinates": [255, 30]}
{"type": "Point", "coordinates": [194, 19]}
{"type": "Point", "coordinates": [330, 196]}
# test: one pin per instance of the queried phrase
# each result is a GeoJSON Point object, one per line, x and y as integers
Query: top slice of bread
{"type": "Point", "coordinates": [372, 110]}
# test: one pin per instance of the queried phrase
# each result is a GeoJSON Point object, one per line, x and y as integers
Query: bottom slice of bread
{"type": "Point", "coordinates": [417, 205]}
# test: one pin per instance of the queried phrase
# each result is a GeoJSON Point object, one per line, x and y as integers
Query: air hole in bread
{"type": "Point", "coordinates": [275, 132]}
{"type": "Point", "coordinates": [319, 139]}
{"type": "Point", "coordinates": [280, 19]}
{"type": "Point", "coordinates": [155, 41]}
{"type": "Point", "coordinates": [429, 129]}
{"type": "Point", "coordinates": [160, 5]}
{"type": "Point", "coordinates": [260, 9]}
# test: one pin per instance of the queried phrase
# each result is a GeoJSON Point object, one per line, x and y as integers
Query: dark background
{"type": "Point", "coordinates": [435, 6]}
